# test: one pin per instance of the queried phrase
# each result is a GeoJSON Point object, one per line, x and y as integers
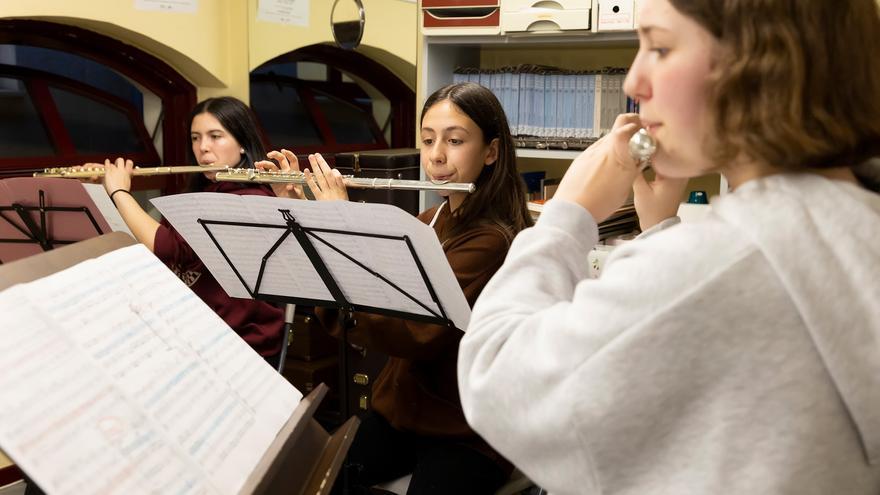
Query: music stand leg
{"type": "Point", "coordinates": [347, 323]}
{"type": "Point", "coordinates": [289, 310]}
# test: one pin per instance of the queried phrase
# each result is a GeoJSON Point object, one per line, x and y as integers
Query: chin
{"type": "Point", "coordinates": [675, 168]}
{"type": "Point", "coordinates": [211, 176]}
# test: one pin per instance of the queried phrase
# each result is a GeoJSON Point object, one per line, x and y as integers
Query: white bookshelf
{"type": "Point", "coordinates": [547, 154]}
{"type": "Point", "coordinates": [439, 56]}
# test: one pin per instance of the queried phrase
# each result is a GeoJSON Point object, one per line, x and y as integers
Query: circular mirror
{"type": "Point", "coordinates": [347, 23]}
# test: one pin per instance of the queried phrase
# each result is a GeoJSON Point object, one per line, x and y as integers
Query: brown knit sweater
{"type": "Point", "coordinates": [417, 390]}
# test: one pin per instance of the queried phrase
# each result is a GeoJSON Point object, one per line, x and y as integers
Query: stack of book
{"type": "Point", "coordinates": [621, 222]}
{"type": "Point", "coordinates": [553, 108]}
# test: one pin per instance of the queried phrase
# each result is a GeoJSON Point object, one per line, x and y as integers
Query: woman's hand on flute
{"type": "Point", "coordinates": [601, 178]}
{"type": "Point", "coordinates": [287, 163]}
{"type": "Point", "coordinates": [325, 183]}
{"type": "Point", "coordinates": [117, 175]}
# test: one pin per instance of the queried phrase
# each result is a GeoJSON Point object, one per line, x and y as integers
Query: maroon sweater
{"type": "Point", "coordinates": [259, 323]}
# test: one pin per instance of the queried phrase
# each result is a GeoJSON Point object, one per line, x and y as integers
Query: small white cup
{"type": "Point", "coordinates": [596, 259]}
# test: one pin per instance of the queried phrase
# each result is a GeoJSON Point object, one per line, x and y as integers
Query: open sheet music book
{"type": "Point", "coordinates": [290, 273]}
{"type": "Point", "coordinates": [117, 379]}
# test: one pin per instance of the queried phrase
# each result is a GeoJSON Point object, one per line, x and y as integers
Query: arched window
{"type": "Point", "coordinates": [86, 100]}
{"type": "Point", "coordinates": [46, 119]}
{"type": "Point", "coordinates": [323, 99]}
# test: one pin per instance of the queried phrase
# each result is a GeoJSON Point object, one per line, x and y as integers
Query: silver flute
{"type": "Point", "coordinates": [272, 177]}
{"type": "Point", "coordinates": [88, 172]}
{"type": "Point", "coordinates": [642, 147]}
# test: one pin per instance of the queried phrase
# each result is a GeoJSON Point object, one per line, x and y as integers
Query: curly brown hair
{"type": "Point", "coordinates": [795, 84]}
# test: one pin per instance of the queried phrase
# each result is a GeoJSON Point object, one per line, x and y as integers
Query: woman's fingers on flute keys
{"type": "Point", "coordinates": [337, 185]}
{"type": "Point", "coordinates": [267, 165]}
{"type": "Point", "coordinates": [319, 170]}
{"type": "Point", "coordinates": [117, 175]}
{"type": "Point", "coordinates": [291, 160]}
{"type": "Point", "coordinates": [325, 182]}
{"type": "Point", "coordinates": [283, 165]}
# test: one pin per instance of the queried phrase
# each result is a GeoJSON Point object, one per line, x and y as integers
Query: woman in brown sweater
{"type": "Point", "coordinates": [416, 424]}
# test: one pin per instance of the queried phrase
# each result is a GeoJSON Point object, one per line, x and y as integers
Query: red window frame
{"type": "Point", "coordinates": [177, 94]}
{"type": "Point", "coordinates": [37, 84]}
{"type": "Point", "coordinates": [347, 92]}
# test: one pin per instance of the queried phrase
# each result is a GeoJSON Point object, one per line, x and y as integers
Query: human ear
{"type": "Point", "coordinates": [492, 155]}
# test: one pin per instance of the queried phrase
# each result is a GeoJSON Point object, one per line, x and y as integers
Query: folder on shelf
{"type": "Point", "coordinates": [460, 17]}
{"type": "Point", "coordinates": [540, 15]}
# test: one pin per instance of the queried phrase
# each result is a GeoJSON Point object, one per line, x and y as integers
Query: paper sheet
{"type": "Point", "coordinates": [292, 12]}
{"type": "Point", "coordinates": [181, 6]}
{"type": "Point", "coordinates": [106, 207]}
{"type": "Point", "coordinates": [118, 379]}
{"type": "Point", "coordinates": [289, 271]}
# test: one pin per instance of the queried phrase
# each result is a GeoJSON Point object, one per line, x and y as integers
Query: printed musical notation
{"type": "Point", "coordinates": [118, 379]}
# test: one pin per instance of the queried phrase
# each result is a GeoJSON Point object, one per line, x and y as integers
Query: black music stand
{"type": "Point", "coordinates": [305, 237]}
{"type": "Point", "coordinates": [40, 214]}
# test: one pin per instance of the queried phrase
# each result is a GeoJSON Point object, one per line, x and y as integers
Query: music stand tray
{"type": "Point", "coordinates": [39, 214]}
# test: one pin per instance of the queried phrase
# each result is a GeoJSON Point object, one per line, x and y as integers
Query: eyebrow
{"type": "Point", "coordinates": [452, 128]}
{"type": "Point", "coordinates": [647, 29]}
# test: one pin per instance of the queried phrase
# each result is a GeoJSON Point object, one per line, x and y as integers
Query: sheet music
{"type": "Point", "coordinates": [290, 273]}
{"type": "Point", "coordinates": [106, 207]}
{"type": "Point", "coordinates": [245, 246]}
{"type": "Point", "coordinates": [121, 370]}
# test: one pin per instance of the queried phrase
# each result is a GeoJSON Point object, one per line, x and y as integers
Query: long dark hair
{"type": "Point", "coordinates": [238, 119]}
{"type": "Point", "coordinates": [500, 197]}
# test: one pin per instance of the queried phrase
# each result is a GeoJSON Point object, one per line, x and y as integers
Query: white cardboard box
{"type": "Point", "coordinates": [516, 5]}
{"type": "Point", "coordinates": [614, 15]}
{"type": "Point", "coordinates": [545, 19]}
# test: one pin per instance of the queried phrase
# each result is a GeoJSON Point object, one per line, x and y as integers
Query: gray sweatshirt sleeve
{"type": "Point", "coordinates": [513, 321]}
{"type": "Point", "coordinates": [534, 329]}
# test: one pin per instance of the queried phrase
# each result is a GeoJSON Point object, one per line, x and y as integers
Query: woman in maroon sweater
{"type": "Point", "coordinates": [223, 132]}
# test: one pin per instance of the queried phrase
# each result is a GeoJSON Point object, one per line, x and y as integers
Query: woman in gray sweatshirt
{"type": "Point", "coordinates": [737, 354]}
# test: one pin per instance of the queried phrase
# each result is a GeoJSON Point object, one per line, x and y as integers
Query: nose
{"type": "Point", "coordinates": [636, 84]}
{"type": "Point", "coordinates": [436, 153]}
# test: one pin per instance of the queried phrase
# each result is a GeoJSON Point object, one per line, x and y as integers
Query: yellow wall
{"type": "Point", "coordinates": [216, 47]}
{"type": "Point", "coordinates": [389, 35]}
